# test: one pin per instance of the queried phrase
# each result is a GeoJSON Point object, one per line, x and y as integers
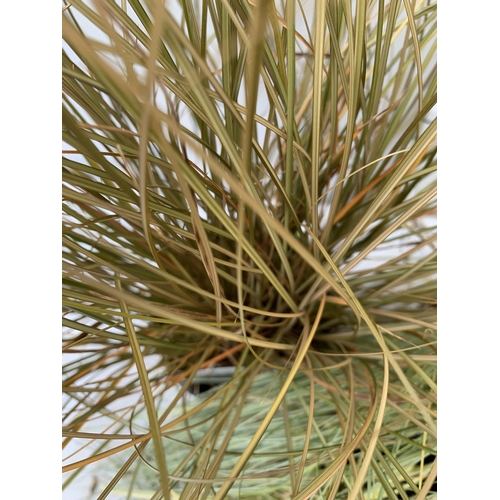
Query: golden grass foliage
{"type": "Point", "coordinates": [250, 185]}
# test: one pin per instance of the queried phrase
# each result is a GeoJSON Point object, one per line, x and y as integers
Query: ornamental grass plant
{"type": "Point", "coordinates": [249, 203]}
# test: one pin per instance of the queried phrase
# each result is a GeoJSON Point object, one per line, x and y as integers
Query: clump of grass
{"type": "Point", "coordinates": [251, 185]}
